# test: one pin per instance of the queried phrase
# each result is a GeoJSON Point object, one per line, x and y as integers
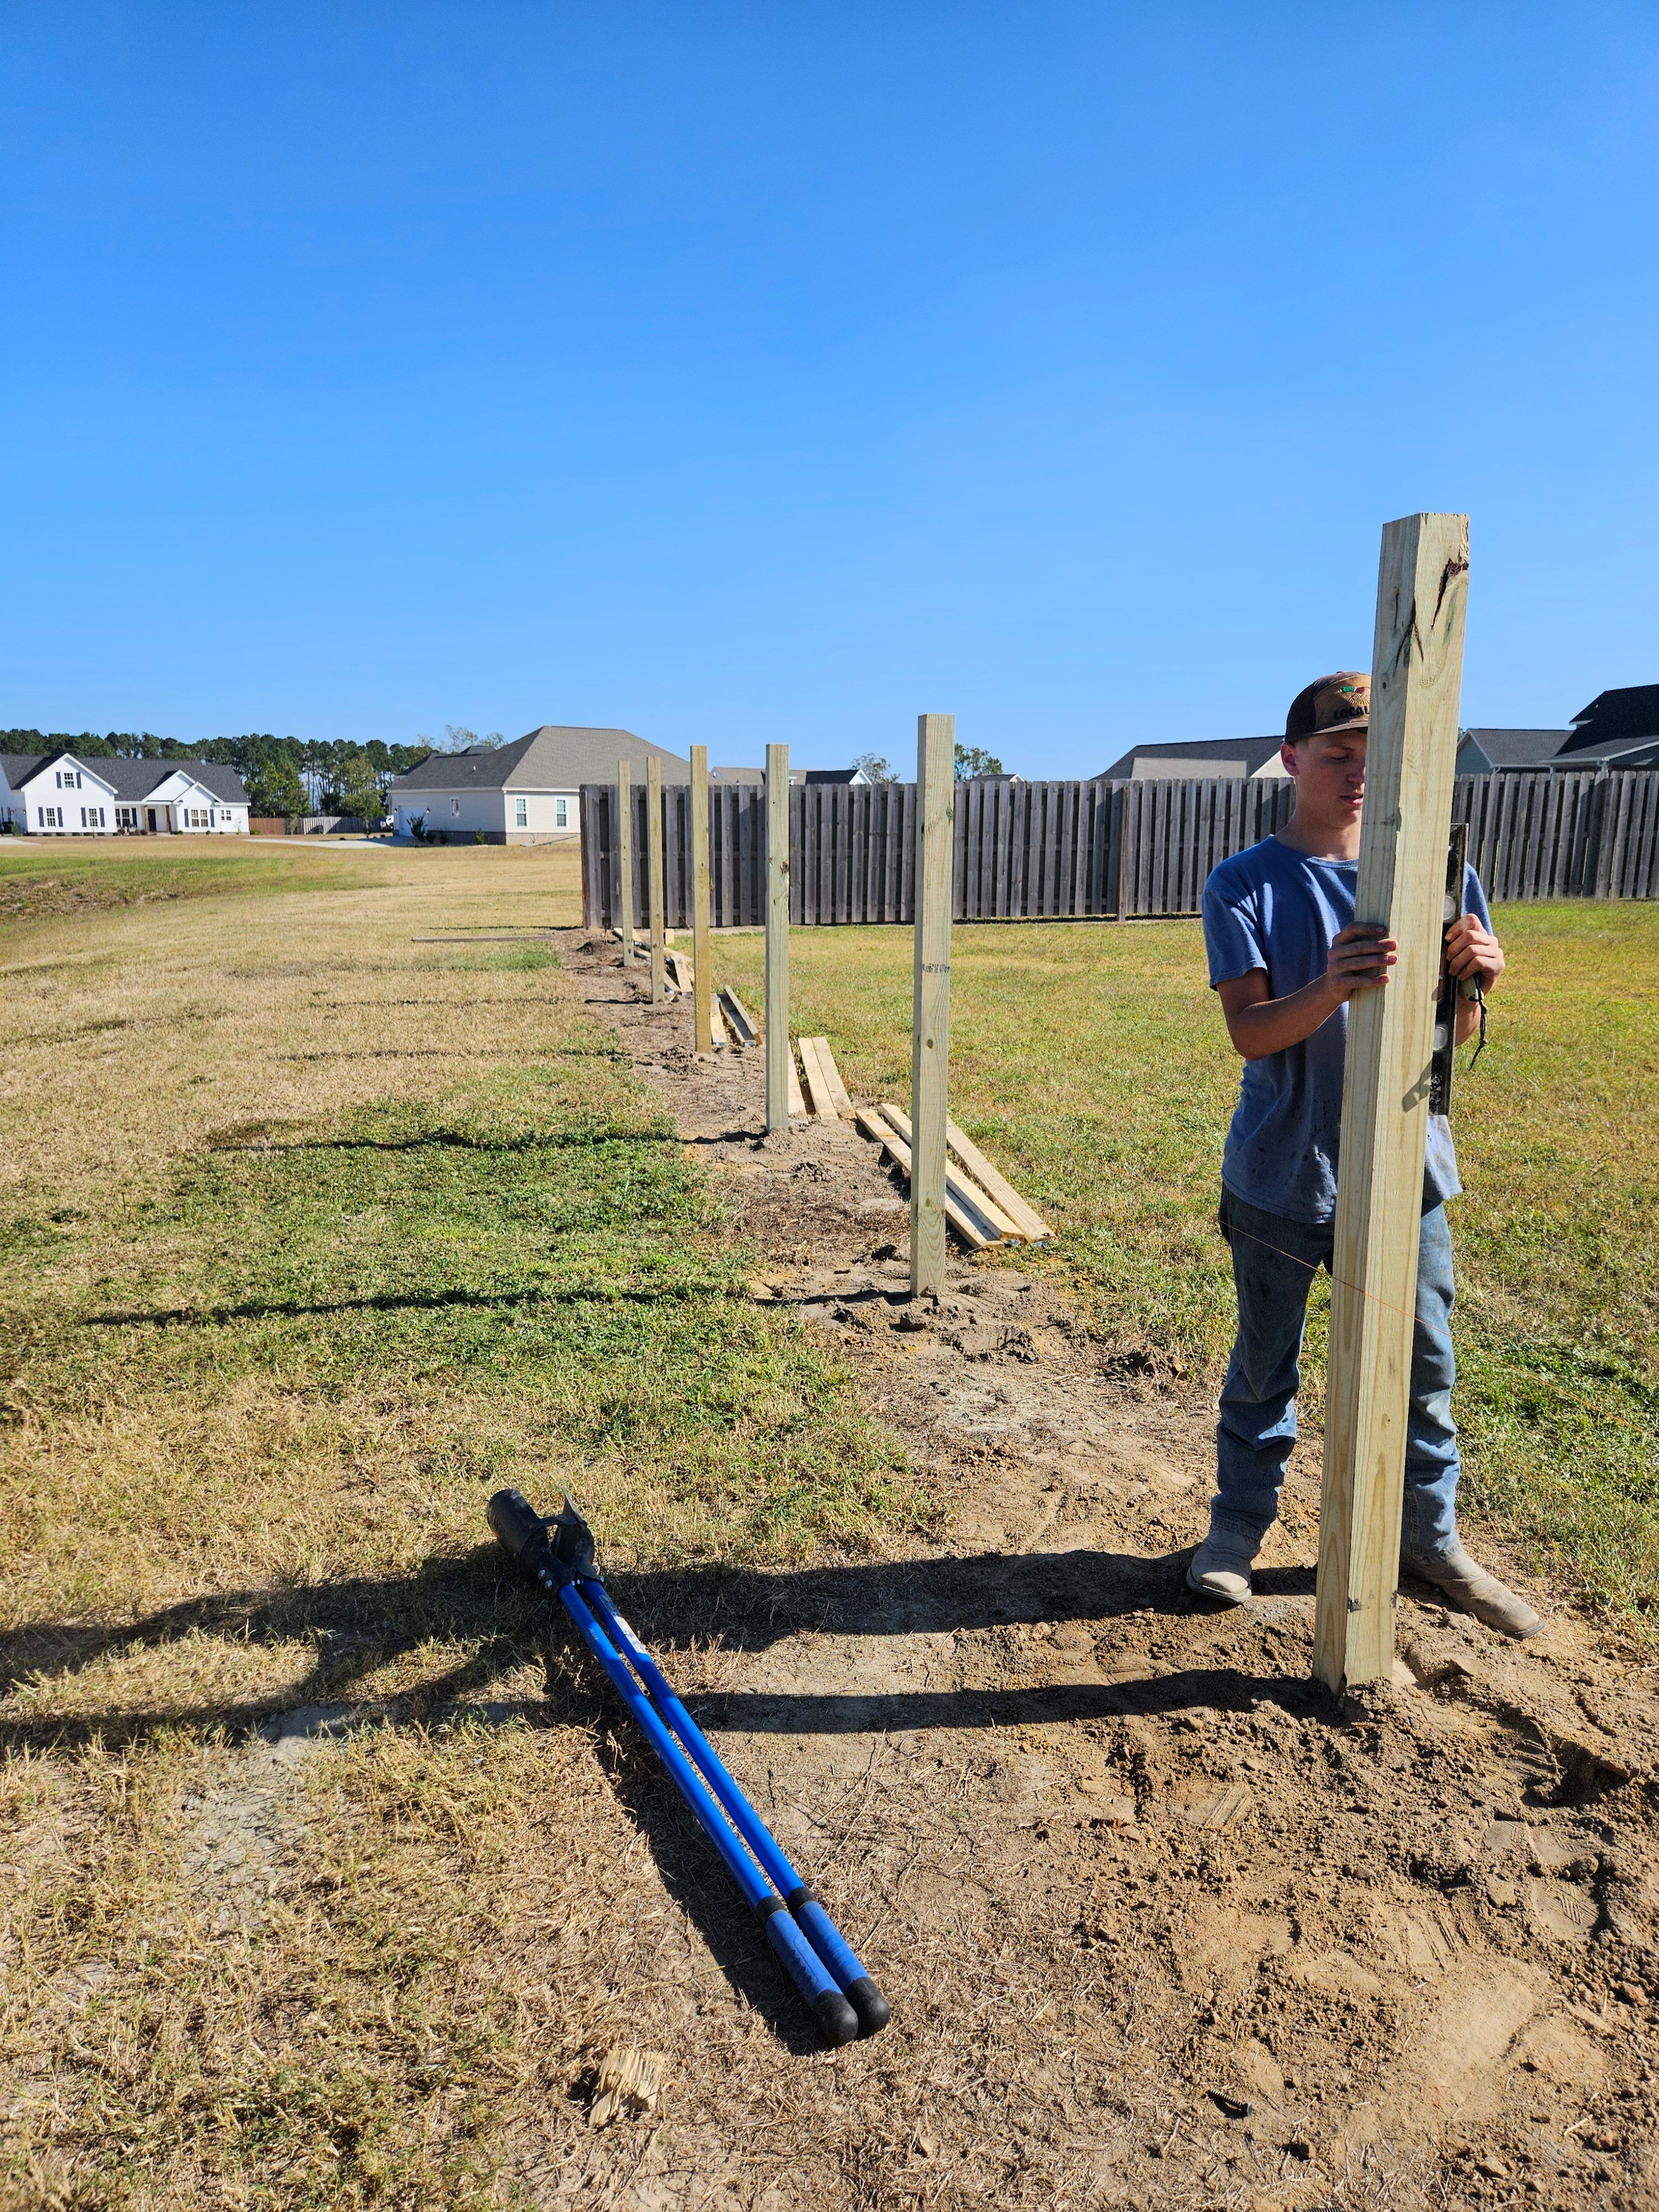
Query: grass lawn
{"type": "Point", "coordinates": [315, 1235]}
{"type": "Point", "coordinates": [1092, 1064]}
{"type": "Point", "coordinates": [41, 878]}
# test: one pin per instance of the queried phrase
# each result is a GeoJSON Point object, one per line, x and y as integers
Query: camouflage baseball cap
{"type": "Point", "coordinates": [1342, 702]}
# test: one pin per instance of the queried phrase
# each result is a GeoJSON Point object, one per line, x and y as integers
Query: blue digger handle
{"type": "Point", "coordinates": [834, 2015]}
{"type": "Point", "coordinates": [837, 1953]}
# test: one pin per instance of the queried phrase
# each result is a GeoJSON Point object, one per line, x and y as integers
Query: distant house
{"type": "Point", "coordinates": [811, 775]}
{"type": "Point", "coordinates": [523, 793]}
{"type": "Point", "coordinates": [1200, 757]}
{"type": "Point", "coordinates": [1617, 729]}
{"type": "Point", "coordinates": [61, 795]}
{"type": "Point", "coordinates": [1492, 752]}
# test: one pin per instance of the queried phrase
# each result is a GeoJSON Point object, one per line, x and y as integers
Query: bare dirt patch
{"type": "Point", "coordinates": [1162, 1925]}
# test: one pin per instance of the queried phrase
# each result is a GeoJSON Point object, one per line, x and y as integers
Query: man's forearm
{"type": "Point", "coordinates": [1274, 1024]}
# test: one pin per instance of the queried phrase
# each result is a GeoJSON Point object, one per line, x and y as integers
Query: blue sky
{"type": "Point", "coordinates": [745, 373]}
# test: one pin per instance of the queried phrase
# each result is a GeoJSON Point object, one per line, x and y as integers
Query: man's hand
{"type": "Point", "coordinates": [1472, 951]}
{"type": "Point", "coordinates": [1359, 960]}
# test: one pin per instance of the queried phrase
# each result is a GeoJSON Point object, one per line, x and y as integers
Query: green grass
{"type": "Point", "coordinates": [41, 878]}
{"type": "Point", "coordinates": [1092, 1064]}
{"type": "Point", "coordinates": [540, 1244]}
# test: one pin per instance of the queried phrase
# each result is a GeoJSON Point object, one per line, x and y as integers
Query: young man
{"type": "Point", "coordinates": [1285, 958]}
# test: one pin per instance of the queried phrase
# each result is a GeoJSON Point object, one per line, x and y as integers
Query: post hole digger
{"type": "Point", "coordinates": [556, 1552]}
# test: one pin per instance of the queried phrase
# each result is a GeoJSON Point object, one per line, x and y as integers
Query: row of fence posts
{"type": "Point", "coordinates": [936, 747]}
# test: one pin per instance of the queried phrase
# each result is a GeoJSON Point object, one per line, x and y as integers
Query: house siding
{"type": "Point", "coordinates": [493, 814]}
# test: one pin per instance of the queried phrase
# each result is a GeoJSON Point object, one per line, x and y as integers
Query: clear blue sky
{"type": "Point", "coordinates": [743, 372]}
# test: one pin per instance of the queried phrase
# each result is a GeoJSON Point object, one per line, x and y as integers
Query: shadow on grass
{"type": "Point", "coordinates": [397, 1302]}
{"type": "Point", "coordinates": [466, 1141]}
{"type": "Point", "coordinates": [360, 1624]}
{"type": "Point", "coordinates": [363, 1624]}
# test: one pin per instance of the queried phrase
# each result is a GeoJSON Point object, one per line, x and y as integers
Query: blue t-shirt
{"type": "Point", "coordinates": [1278, 909]}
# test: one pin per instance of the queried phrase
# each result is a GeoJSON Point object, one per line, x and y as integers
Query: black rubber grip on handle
{"type": "Point", "coordinates": [837, 2021]}
{"type": "Point", "coordinates": [867, 2002]}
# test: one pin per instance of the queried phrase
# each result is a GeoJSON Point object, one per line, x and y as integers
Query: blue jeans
{"type": "Point", "coordinates": [1274, 1262]}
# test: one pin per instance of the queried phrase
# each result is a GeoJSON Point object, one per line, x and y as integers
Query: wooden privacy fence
{"type": "Point", "coordinates": [1069, 851]}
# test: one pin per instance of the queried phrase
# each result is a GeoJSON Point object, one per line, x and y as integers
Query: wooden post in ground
{"type": "Point", "coordinates": [702, 958]}
{"type": "Point", "coordinates": [625, 861]}
{"type": "Point", "coordinates": [936, 790]}
{"type": "Point", "coordinates": [1416, 675]}
{"type": "Point", "coordinates": [777, 936]}
{"type": "Point", "coordinates": [654, 875]}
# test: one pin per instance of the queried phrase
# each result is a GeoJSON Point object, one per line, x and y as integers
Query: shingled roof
{"type": "Point", "coordinates": [1622, 717]}
{"type": "Point", "coordinates": [131, 779]}
{"type": "Point", "coordinates": [558, 756]}
{"type": "Point", "coordinates": [1198, 758]}
{"type": "Point", "coordinates": [1510, 748]}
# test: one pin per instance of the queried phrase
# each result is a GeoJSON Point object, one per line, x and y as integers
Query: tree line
{"type": "Point", "coordinates": [284, 776]}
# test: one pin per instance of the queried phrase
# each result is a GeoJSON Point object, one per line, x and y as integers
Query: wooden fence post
{"type": "Point", "coordinates": [777, 936]}
{"type": "Point", "coordinates": [625, 861]}
{"type": "Point", "coordinates": [653, 874]}
{"type": "Point", "coordinates": [1416, 674]}
{"type": "Point", "coordinates": [702, 958]}
{"type": "Point", "coordinates": [936, 789]}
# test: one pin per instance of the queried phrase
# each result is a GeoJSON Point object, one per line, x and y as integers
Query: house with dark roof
{"type": "Point", "coordinates": [1492, 752]}
{"type": "Point", "coordinates": [1200, 758]}
{"type": "Point", "coordinates": [61, 795]}
{"type": "Point", "coordinates": [1617, 729]}
{"type": "Point", "coordinates": [523, 794]}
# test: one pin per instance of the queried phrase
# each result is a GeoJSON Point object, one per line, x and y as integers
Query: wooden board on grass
{"type": "Point", "coordinates": [839, 1102]}
{"type": "Point", "coordinates": [737, 1016]}
{"type": "Point", "coordinates": [817, 1083]}
{"type": "Point", "coordinates": [797, 1103]}
{"type": "Point", "coordinates": [956, 1182]}
{"type": "Point", "coordinates": [1026, 1217]}
{"type": "Point", "coordinates": [679, 969]}
{"type": "Point", "coordinates": [974, 1229]}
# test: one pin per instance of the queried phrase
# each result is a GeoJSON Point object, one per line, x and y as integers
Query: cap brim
{"type": "Point", "coordinates": [1335, 729]}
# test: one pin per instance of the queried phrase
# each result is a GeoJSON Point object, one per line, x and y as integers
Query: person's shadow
{"type": "Point", "coordinates": [357, 1626]}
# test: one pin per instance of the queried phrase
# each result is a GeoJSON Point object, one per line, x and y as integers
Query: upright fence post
{"type": "Point", "coordinates": [777, 936]}
{"type": "Point", "coordinates": [625, 861]}
{"type": "Point", "coordinates": [653, 874]}
{"type": "Point", "coordinates": [936, 787]}
{"type": "Point", "coordinates": [1416, 673]}
{"type": "Point", "coordinates": [702, 958]}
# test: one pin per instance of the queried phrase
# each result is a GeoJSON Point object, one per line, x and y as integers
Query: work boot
{"type": "Point", "coordinates": [1472, 1589]}
{"type": "Point", "coordinates": [1221, 1567]}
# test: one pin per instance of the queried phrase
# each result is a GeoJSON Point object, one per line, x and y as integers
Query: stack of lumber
{"type": "Point", "coordinates": [981, 1205]}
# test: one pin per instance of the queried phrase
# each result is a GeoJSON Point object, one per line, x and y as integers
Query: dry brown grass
{"type": "Point", "coordinates": [316, 1235]}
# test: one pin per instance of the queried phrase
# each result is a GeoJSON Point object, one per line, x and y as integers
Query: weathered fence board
{"type": "Point", "coordinates": [1066, 850]}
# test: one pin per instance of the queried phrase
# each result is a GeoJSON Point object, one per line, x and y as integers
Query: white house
{"type": "Point", "coordinates": [60, 795]}
{"type": "Point", "coordinates": [523, 794]}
